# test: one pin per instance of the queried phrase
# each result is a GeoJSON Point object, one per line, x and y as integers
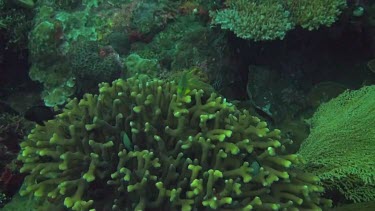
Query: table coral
{"type": "Point", "coordinates": [271, 19]}
{"type": "Point", "coordinates": [137, 145]}
{"type": "Point", "coordinates": [313, 14]}
{"type": "Point", "coordinates": [340, 148]}
{"type": "Point", "coordinates": [255, 20]}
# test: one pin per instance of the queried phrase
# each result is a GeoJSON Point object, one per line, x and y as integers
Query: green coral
{"type": "Point", "coordinates": [42, 42]}
{"type": "Point", "coordinates": [61, 51]}
{"type": "Point", "coordinates": [255, 20]}
{"type": "Point", "coordinates": [68, 4]}
{"type": "Point", "coordinates": [58, 86]}
{"type": "Point", "coordinates": [313, 14]}
{"type": "Point", "coordinates": [90, 68]}
{"type": "Point", "coordinates": [340, 149]}
{"type": "Point", "coordinates": [138, 146]}
{"type": "Point", "coordinates": [138, 65]}
{"type": "Point", "coordinates": [186, 43]}
{"type": "Point", "coordinates": [271, 19]}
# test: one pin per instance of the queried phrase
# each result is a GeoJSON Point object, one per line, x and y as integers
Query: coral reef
{"type": "Point", "coordinates": [138, 145]}
{"type": "Point", "coordinates": [91, 64]}
{"type": "Point", "coordinates": [15, 24]}
{"type": "Point", "coordinates": [187, 43]}
{"type": "Point", "coordinates": [54, 42]}
{"type": "Point", "coordinates": [255, 20]}
{"type": "Point", "coordinates": [313, 14]}
{"type": "Point", "coordinates": [340, 148]}
{"type": "Point", "coordinates": [59, 85]}
{"type": "Point", "coordinates": [271, 19]}
{"type": "Point", "coordinates": [137, 65]}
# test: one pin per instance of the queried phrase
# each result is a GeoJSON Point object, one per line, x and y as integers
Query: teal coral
{"type": "Point", "coordinates": [140, 147]}
{"type": "Point", "coordinates": [58, 64]}
{"type": "Point", "coordinates": [58, 86]}
{"type": "Point", "coordinates": [135, 64]}
{"type": "Point", "coordinates": [184, 43]}
{"type": "Point", "coordinates": [340, 149]}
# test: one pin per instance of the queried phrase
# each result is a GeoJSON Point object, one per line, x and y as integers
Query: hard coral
{"type": "Point", "coordinates": [137, 145]}
{"type": "Point", "coordinates": [92, 64]}
{"type": "Point", "coordinates": [313, 14]}
{"type": "Point", "coordinates": [271, 19]}
{"type": "Point", "coordinates": [255, 20]}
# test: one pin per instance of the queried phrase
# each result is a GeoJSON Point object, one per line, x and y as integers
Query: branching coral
{"type": "Point", "coordinates": [340, 149]}
{"type": "Point", "coordinates": [255, 20]}
{"type": "Point", "coordinates": [137, 145]}
{"type": "Point", "coordinates": [313, 14]}
{"type": "Point", "coordinates": [271, 19]}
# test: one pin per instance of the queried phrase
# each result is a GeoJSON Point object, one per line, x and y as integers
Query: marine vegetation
{"type": "Point", "coordinates": [138, 146]}
{"type": "Point", "coordinates": [340, 148]}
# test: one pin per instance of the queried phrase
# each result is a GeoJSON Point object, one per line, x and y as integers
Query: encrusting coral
{"type": "Point", "coordinates": [137, 145]}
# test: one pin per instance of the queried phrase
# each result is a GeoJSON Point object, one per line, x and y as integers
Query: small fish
{"type": "Point", "coordinates": [255, 165]}
{"type": "Point", "coordinates": [40, 114]}
{"type": "Point", "coordinates": [266, 115]}
{"type": "Point", "coordinates": [127, 142]}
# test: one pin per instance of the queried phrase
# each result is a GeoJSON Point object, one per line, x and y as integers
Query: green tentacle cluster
{"type": "Point", "coordinates": [137, 145]}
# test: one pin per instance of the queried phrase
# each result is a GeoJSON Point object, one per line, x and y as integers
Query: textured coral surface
{"type": "Point", "coordinates": [341, 146]}
{"type": "Point", "coordinates": [138, 145]}
{"type": "Point", "coordinates": [271, 19]}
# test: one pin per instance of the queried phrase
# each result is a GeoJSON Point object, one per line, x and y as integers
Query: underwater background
{"type": "Point", "coordinates": [187, 105]}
